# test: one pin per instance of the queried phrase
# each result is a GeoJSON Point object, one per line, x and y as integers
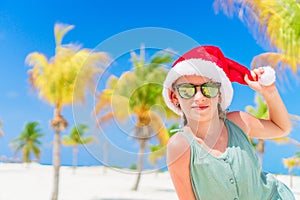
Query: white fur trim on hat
{"type": "Point", "coordinates": [199, 67]}
{"type": "Point", "coordinates": [268, 77]}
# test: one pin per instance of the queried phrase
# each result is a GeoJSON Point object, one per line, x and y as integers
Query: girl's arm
{"type": "Point", "coordinates": [278, 124]}
{"type": "Point", "coordinates": [178, 160]}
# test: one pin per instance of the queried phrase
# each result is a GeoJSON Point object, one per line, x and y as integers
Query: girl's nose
{"type": "Point", "coordinates": [198, 95]}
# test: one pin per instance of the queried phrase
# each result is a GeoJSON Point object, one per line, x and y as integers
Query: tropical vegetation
{"type": "Point", "coordinates": [276, 26]}
{"type": "Point", "coordinates": [291, 163]}
{"type": "Point", "coordinates": [28, 142]}
{"type": "Point", "coordinates": [136, 94]}
{"type": "Point", "coordinates": [76, 138]}
{"type": "Point", "coordinates": [62, 80]}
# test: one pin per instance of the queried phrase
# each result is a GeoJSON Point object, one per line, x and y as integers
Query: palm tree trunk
{"type": "Point", "coordinates": [140, 162]}
{"type": "Point", "coordinates": [58, 124]}
{"type": "Point", "coordinates": [291, 177]}
{"type": "Point", "coordinates": [105, 157]}
{"type": "Point", "coordinates": [56, 165]}
{"type": "Point", "coordinates": [157, 170]}
{"type": "Point", "coordinates": [75, 156]}
{"type": "Point", "coordinates": [261, 149]}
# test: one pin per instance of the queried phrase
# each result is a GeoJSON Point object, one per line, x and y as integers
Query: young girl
{"type": "Point", "coordinates": [211, 157]}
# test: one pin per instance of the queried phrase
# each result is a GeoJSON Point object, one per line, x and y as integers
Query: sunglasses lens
{"type": "Point", "coordinates": [186, 91]}
{"type": "Point", "coordinates": [210, 89]}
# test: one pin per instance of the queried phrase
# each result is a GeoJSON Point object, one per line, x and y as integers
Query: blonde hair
{"type": "Point", "coordinates": [222, 114]}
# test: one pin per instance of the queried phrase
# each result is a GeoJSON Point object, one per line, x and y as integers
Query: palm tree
{"type": "Point", "coordinates": [291, 163]}
{"type": "Point", "coordinates": [294, 161]}
{"type": "Point", "coordinates": [62, 80]}
{"type": "Point", "coordinates": [136, 93]}
{"type": "Point", "coordinates": [76, 138]}
{"type": "Point", "coordinates": [28, 142]}
{"type": "Point", "coordinates": [274, 23]}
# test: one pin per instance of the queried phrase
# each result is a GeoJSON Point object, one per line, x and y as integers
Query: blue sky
{"type": "Point", "coordinates": [27, 26]}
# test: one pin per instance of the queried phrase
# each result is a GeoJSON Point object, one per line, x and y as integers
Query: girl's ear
{"type": "Point", "coordinates": [173, 96]}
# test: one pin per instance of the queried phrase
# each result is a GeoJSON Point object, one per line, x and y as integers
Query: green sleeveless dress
{"type": "Point", "coordinates": [235, 175]}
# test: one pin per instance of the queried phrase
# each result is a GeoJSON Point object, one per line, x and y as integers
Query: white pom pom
{"type": "Point", "coordinates": [268, 77]}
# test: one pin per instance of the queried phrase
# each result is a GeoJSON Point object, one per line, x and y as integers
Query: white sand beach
{"type": "Point", "coordinates": [34, 182]}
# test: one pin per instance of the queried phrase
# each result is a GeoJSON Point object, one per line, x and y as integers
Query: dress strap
{"type": "Point", "coordinates": [187, 136]}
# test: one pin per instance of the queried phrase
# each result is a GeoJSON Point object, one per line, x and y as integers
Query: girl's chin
{"type": "Point", "coordinates": [201, 116]}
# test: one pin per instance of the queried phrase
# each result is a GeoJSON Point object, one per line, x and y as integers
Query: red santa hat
{"type": "Point", "coordinates": [209, 61]}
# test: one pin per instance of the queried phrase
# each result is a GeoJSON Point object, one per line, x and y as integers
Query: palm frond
{"type": "Point", "coordinates": [275, 24]}
{"type": "Point", "coordinates": [137, 93]}
{"type": "Point", "coordinates": [159, 128]}
{"type": "Point", "coordinates": [68, 141]}
{"type": "Point", "coordinates": [28, 142]}
{"type": "Point", "coordinates": [112, 82]}
{"type": "Point", "coordinates": [156, 153]}
{"type": "Point", "coordinates": [261, 109]}
{"type": "Point", "coordinates": [279, 61]}
{"type": "Point", "coordinates": [60, 30]}
{"type": "Point", "coordinates": [106, 117]}
{"type": "Point", "coordinates": [63, 79]}
{"type": "Point", "coordinates": [87, 140]}
{"type": "Point", "coordinates": [104, 100]}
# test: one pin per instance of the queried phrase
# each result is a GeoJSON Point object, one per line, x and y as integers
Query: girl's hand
{"type": "Point", "coordinates": [256, 74]}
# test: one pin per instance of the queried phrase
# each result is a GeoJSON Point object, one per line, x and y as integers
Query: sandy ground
{"type": "Point", "coordinates": [34, 182]}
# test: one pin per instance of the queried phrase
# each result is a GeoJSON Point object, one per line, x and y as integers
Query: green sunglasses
{"type": "Point", "coordinates": [208, 89]}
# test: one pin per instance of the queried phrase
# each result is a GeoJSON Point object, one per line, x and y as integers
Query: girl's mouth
{"type": "Point", "coordinates": [200, 107]}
